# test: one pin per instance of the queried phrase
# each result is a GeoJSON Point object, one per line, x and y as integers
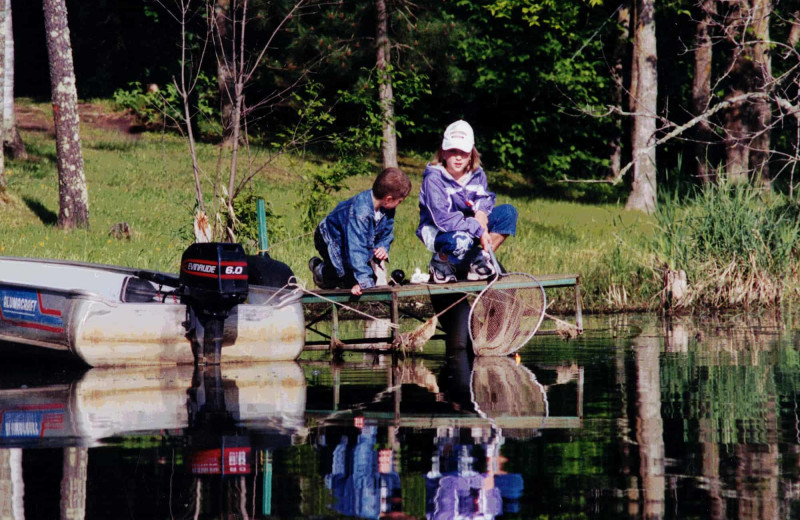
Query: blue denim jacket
{"type": "Point", "coordinates": [351, 234]}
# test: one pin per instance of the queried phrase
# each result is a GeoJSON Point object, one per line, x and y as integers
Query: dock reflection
{"type": "Point", "coordinates": [456, 422]}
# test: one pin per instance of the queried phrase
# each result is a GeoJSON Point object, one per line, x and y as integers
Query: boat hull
{"type": "Point", "coordinates": [80, 310]}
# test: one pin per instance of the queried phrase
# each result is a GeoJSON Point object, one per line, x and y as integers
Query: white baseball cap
{"type": "Point", "coordinates": [459, 135]}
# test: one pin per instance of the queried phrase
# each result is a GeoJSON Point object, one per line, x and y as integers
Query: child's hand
{"type": "Point", "coordinates": [483, 218]}
{"type": "Point", "coordinates": [486, 241]}
{"type": "Point", "coordinates": [356, 290]}
{"type": "Point", "coordinates": [380, 253]}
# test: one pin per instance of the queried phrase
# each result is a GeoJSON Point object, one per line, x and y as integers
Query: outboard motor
{"type": "Point", "coordinates": [213, 281]}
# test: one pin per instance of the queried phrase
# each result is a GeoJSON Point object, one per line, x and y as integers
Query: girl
{"type": "Point", "coordinates": [457, 212]}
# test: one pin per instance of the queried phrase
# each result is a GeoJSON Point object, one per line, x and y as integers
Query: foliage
{"type": "Point", "coordinates": [157, 107]}
{"type": "Point", "coordinates": [737, 244]}
{"type": "Point", "coordinates": [531, 10]}
{"type": "Point", "coordinates": [245, 207]}
{"type": "Point", "coordinates": [317, 199]}
{"type": "Point", "coordinates": [367, 134]}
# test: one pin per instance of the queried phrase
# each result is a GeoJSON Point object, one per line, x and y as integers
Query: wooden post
{"type": "Point", "coordinates": [261, 212]}
{"type": "Point", "coordinates": [334, 325]}
{"type": "Point", "coordinates": [578, 312]}
{"type": "Point", "coordinates": [395, 315]}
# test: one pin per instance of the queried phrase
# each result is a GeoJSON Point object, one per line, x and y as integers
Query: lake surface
{"type": "Point", "coordinates": [637, 418]}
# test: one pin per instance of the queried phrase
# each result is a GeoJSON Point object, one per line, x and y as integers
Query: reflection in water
{"type": "Point", "coordinates": [413, 439]}
{"type": "Point", "coordinates": [362, 477]}
{"type": "Point", "coordinates": [701, 422]}
{"type": "Point", "coordinates": [455, 487]}
{"type": "Point", "coordinates": [199, 413]}
{"type": "Point", "coordinates": [738, 370]}
{"type": "Point", "coordinates": [466, 416]}
{"type": "Point", "coordinates": [649, 426]}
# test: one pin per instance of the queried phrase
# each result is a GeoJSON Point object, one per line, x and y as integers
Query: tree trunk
{"type": "Point", "coordinates": [73, 197]}
{"type": "Point", "coordinates": [634, 52]}
{"type": "Point", "coordinates": [12, 143]}
{"type": "Point", "coordinates": [643, 191]}
{"type": "Point", "coordinates": [73, 482]}
{"type": "Point", "coordinates": [747, 137]}
{"type": "Point", "coordinates": [701, 90]}
{"type": "Point", "coordinates": [238, 66]}
{"type": "Point", "coordinates": [3, 20]}
{"type": "Point", "coordinates": [759, 157]}
{"type": "Point", "coordinates": [385, 95]}
{"type": "Point", "coordinates": [650, 426]}
{"type": "Point", "coordinates": [225, 45]}
{"type": "Point", "coordinates": [619, 59]}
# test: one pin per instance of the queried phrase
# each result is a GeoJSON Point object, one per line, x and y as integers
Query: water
{"type": "Point", "coordinates": [638, 418]}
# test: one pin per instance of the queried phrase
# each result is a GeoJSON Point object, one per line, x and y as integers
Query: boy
{"type": "Point", "coordinates": [358, 231]}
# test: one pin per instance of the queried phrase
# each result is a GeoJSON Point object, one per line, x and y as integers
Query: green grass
{"type": "Point", "coordinates": [146, 181]}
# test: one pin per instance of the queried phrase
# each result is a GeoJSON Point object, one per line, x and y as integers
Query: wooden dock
{"type": "Point", "coordinates": [391, 296]}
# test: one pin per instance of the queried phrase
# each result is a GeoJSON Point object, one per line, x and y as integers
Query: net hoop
{"type": "Point", "coordinates": [505, 350]}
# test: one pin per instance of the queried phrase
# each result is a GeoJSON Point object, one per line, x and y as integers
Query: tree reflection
{"type": "Point", "coordinates": [723, 375]}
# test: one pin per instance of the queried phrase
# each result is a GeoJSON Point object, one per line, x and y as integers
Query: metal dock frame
{"type": "Point", "coordinates": [392, 294]}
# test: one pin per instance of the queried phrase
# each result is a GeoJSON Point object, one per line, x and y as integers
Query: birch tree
{"type": "Point", "coordinates": [643, 150]}
{"type": "Point", "coordinates": [73, 211]}
{"type": "Point", "coordinates": [3, 19]}
{"type": "Point", "coordinates": [12, 140]}
{"type": "Point", "coordinates": [385, 94]}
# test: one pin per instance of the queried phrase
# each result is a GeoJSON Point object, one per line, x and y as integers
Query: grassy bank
{"type": "Point", "coordinates": [145, 180]}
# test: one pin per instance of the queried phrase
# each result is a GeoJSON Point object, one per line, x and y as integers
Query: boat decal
{"type": "Point", "coordinates": [31, 422]}
{"type": "Point", "coordinates": [230, 270]}
{"type": "Point", "coordinates": [25, 308]}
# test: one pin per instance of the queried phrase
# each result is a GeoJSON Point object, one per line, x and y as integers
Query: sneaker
{"type": "Point", "coordinates": [442, 271]}
{"type": "Point", "coordinates": [481, 268]}
{"type": "Point", "coordinates": [315, 265]}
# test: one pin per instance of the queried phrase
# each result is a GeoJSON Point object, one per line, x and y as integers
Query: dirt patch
{"type": "Point", "coordinates": [122, 122]}
{"type": "Point", "coordinates": [34, 119]}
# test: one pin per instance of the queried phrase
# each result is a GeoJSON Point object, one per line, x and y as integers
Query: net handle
{"type": "Point", "coordinates": [494, 259]}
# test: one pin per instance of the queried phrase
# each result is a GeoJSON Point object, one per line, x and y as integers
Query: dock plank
{"type": "Point", "coordinates": [384, 293]}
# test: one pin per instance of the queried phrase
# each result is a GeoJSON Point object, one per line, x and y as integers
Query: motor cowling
{"type": "Point", "coordinates": [213, 280]}
{"type": "Point", "coordinates": [213, 277]}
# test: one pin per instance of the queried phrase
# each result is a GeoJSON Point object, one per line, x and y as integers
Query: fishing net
{"type": "Point", "coordinates": [506, 314]}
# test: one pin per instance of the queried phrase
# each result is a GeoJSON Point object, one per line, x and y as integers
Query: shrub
{"type": "Point", "coordinates": [736, 242]}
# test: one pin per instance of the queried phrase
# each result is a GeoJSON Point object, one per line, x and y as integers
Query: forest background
{"type": "Point", "coordinates": [684, 110]}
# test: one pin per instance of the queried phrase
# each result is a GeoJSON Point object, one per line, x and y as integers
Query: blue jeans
{"type": "Point", "coordinates": [330, 277]}
{"type": "Point", "coordinates": [460, 246]}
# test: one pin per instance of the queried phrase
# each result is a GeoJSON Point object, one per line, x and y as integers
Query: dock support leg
{"type": "Point", "coordinates": [578, 311]}
{"type": "Point", "coordinates": [395, 316]}
{"type": "Point", "coordinates": [334, 325]}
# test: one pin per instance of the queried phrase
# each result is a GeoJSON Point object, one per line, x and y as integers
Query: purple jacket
{"type": "Point", "coordinates": [445, 205]}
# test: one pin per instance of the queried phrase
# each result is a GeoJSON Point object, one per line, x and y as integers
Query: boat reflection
{"type": "Point", "coordinates": [224, 426]}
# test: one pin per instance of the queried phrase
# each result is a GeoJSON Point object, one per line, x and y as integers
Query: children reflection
{"type": "Point", "coordinates": [467, 479]}
{"type": "Point", "coordinates": [362, 478]}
